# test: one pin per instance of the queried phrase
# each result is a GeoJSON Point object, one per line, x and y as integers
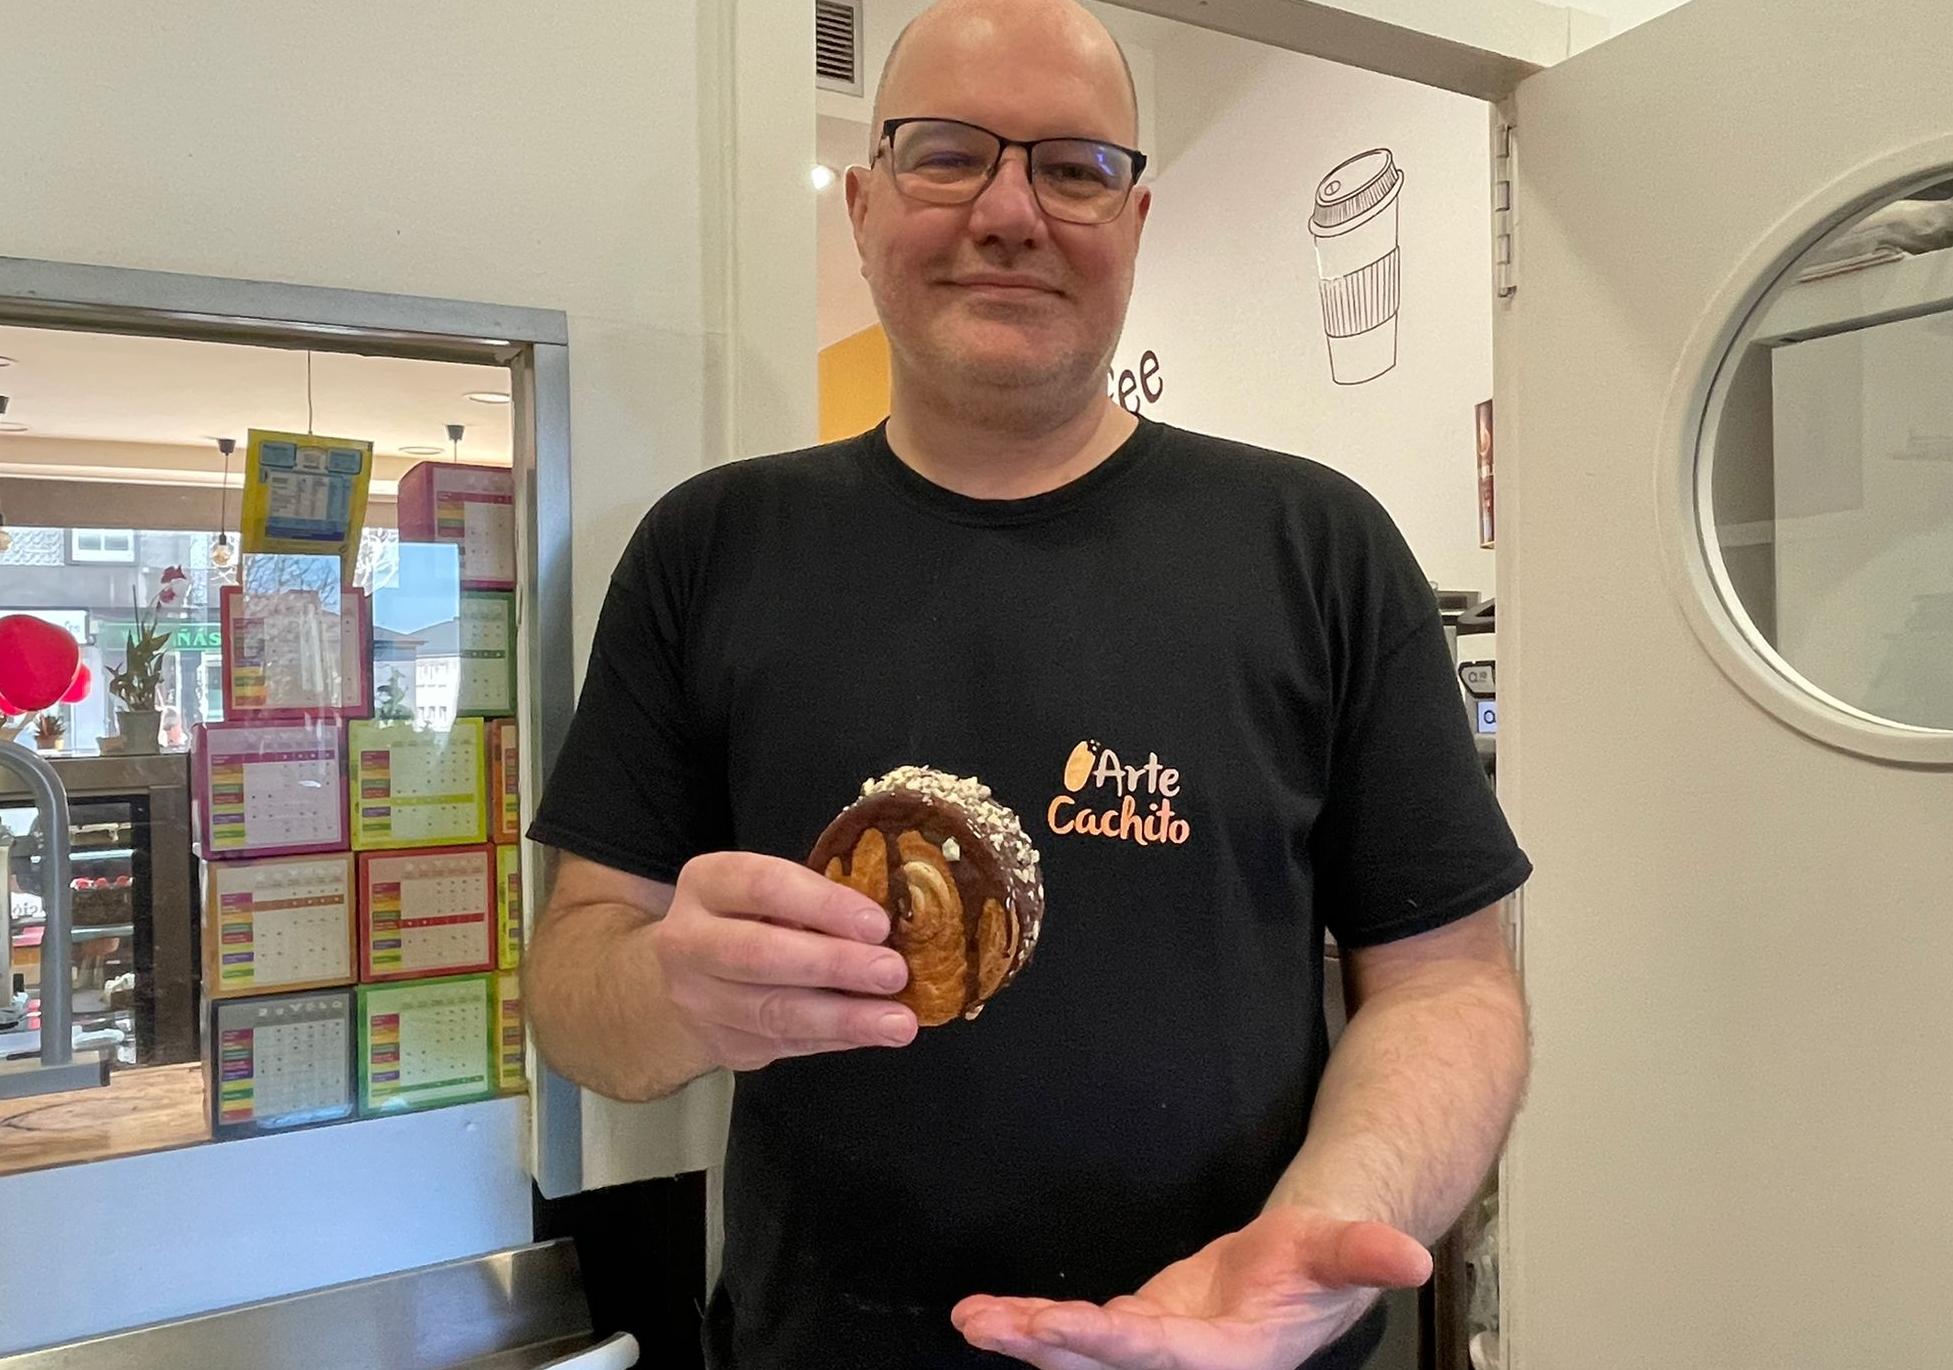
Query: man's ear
{"type": "Point", "coordinates": [1143, 198]}
{"type": "Point", "coordinates": [855, 185]}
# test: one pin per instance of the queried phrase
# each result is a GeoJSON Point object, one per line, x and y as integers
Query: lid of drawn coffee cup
{"type": "Point", "coordinates": [1355, 188]}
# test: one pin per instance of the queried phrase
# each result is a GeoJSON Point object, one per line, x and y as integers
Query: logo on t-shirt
{"type": "Point", "coordinates": [1130, 803]}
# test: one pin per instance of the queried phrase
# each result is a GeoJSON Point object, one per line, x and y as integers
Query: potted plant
{"type": "Point", "coordinates": [48, 732]}
{"type": "Point", "coordinates": [141, 674]}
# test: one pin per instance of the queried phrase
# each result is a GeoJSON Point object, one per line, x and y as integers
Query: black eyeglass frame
{"type": "Point", "coordinates": [887, 140]}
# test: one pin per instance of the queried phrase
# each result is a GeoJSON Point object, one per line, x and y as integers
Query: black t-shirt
{"type": "Point", "coordinates": [1249, 652]}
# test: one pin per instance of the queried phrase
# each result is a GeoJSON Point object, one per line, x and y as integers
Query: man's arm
{"type": "Point", "coordinates": [595, 991]}
{"type": "Point", "coordinates": [1422, 1087]}
{"type": "Point", "coordinates": [635, 988]}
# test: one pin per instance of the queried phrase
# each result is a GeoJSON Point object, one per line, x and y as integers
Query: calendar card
{"type": "Point", "coordinates": [485, 683]}
{"type": "Point", "coordinates": [504, 781]}
{"type": "Point", "coordinates": [296, 653]}
{"type": "Point", "coordinates": [269, 789]}
{"type": "Point", "coordinates": [279, 924]}
{"type": "Point", "coordinates": [423, 1043]}
{"type": "Point", "coordinates": [508, 906]}
{"type": "Point", "coordinates": [471, 506]}
{"type": "Point", "coordinates": [510, 1075]}
{"type": "Point", "coordinates": [305, 494]}
{"type": "Point", "coordinates": [282, 1061]}
{"type": "Point", "coordinates": [426, 912]}
{"type": "Point", "coordinates": [417, 787]}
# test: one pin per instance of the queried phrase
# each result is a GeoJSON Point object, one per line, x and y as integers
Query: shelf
{"type": "Point", "coordinates": [1921, 284]}
{"type": "Point", "coordinates": [96, 934]}
{"type": "Point", "coordinates": [88, 934]}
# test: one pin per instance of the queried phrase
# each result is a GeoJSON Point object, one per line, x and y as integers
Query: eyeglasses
{"type": "Point", "coordinates": [949, 162]}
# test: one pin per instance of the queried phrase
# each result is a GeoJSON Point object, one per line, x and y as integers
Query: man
{"type": "Point", "coordinates": [1141, 1155]}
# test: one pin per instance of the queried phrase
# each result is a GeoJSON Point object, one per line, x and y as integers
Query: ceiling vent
{"type": "Point", "coordinates": [837, 45]}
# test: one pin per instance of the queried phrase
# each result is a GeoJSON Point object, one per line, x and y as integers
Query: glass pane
{"type": "Point", "coordinates": [296, 879]}
{"type": "Point", "coordinates": [1831, 474]}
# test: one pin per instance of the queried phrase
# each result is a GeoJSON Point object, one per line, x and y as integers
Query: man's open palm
{"type": "Point", "coordinates": [1264, 1298]}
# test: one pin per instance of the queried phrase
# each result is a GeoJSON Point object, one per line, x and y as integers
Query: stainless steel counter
{"type": "Point", "coordinates": [509, 1310]}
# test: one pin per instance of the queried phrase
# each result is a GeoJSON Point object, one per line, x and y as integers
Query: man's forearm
{"type": "Point", "coordinates": [1415, 1104]}
{"type": "Point", "coordinates": [596, 1001]}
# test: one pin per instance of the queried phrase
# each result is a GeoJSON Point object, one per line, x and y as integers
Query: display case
{"type": "Point", "coordinates": [136, 976]}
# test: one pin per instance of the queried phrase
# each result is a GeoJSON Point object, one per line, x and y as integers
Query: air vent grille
{"type": "Point", "coordinates": [837, 45]}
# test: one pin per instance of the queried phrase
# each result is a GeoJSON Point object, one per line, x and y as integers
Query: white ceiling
{"type": "Point", "coordinates": [112, 388]}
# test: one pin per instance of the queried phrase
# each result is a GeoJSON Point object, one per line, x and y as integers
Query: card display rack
{"type": "Point", "coordinates": [425, 1043]}
{"type": "Point", "coordinates": [269, 789]}
{"type": "Point", "coordinates": [508, 907]}
{"type": "Point", "coordinates": [485, 681]}
{"type": "Point", "coordinates": [504, 781]}
{"type": "Point", "coordinates": [428, 911]}
{"type": "Point", "coordinates": [280, 1061]}
{"type": "Point", "coordinates": [278, 923]}
{"type": "Point", "coordinates": [417, 787]}
{"type": "Point", "coordinates": [511, 1075]}
{"type": "Point", "coordinates": [286, 655]}
{"type": "Point", "coordinates": [470, 506]}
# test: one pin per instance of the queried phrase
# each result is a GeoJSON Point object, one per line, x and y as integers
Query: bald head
{"type": "Point", "coordinates": [951, 29]}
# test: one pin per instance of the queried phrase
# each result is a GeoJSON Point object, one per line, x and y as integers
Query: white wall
{"type": "Point", "coordinates": [642, 167]}
{"type": "Point", "coordinates": [1227, 294]}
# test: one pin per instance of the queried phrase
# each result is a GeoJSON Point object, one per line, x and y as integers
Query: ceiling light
{"type": "Point", "coordinates": [13, 428]}
{"type": "Point", "coordinates": [423, 451]}
{"type": "Point", "coordinates": [222, 554]}
{"type": "Point", "coordinates": [822, 176]}
{"type": "Point", "coordinates": [487, 396]}
{"type": "Point", "coordinates": [6, 361]}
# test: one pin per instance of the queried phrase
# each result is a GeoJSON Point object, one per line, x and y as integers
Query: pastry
{"type": "Point", "coordinates": [958, 877]}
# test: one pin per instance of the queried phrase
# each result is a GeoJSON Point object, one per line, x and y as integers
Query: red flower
{"type": "Point", "coordinates": [172, 573]}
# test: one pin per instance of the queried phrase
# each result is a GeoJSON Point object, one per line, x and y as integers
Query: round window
{"type": "Point", "coordinates": [1824, 481]}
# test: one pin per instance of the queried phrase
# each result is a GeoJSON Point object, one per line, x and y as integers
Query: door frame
{"type": "Point", "coordinates": [532, 343]}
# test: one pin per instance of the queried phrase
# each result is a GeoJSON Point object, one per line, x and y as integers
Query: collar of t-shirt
{"type": "Point", "coordinates": [918, 489]}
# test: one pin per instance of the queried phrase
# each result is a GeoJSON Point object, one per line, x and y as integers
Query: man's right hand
{"type": "Point", "coordinates": [764, 958]}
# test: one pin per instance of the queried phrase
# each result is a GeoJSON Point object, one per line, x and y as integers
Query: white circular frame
{"type": "Point", "coordinates": [1691, 557]}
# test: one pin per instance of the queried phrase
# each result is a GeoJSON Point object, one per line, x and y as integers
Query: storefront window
{"type": "Point", "coordinates": [295, 881]}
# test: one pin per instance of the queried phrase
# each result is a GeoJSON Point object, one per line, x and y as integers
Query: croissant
{"type": "Point", "coordinates": [959, 878]}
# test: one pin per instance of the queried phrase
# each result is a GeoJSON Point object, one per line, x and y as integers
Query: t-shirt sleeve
{"type": "Point", "coordinates": [1411, 836]}
{"type": "Point", "coordinates": [638, 786]}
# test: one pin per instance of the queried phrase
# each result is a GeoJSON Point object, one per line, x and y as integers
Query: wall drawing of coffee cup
{"type": "Point", "coordinates": [1354, 224]}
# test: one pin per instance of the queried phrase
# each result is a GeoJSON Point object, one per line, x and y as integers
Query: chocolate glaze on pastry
{"type": "Point", "coordinates": [958, 877]}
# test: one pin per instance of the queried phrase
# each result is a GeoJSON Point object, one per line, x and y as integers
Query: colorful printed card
{"type": "Point", "coordinates": [279, 924]}
{"type": "Point", "coordinates": [485, 676]}
{"type": "Point", "coordinates": [414, 787]}
{"type": "Point", "coordinates": [304, 493]}
{"type": "Point", "coordinates": [428, 912]}
{"type": "Point", "coordinates": [423, 1043]}
{"type": "Point", "coordinates": [508, 906]}
{"type": "Point", "coordinates": [504, 782]}
{"type": "Point", "coordinates": [296, 653]}
{"type": "Point", "coordinates": [269, 789]}
{"type": "Point", "coordinates": [280, 1062]}
{"type": "Point", "coordinates": [511, 1074]}
{"type": "Point", "coordinates": [470, 506]}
